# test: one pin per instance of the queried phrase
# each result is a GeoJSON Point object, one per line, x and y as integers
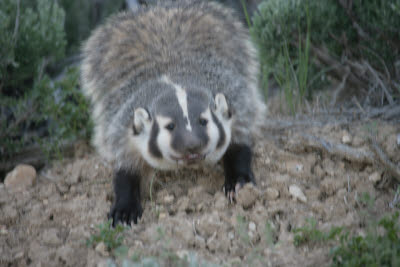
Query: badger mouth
{"type": "Point", "coordinates": [189, 159]}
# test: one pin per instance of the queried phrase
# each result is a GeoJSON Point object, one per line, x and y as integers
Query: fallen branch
{"type": "Point", "coordinates": [384, 160]}
{"type": "Point", "coordinates": [336, 149]}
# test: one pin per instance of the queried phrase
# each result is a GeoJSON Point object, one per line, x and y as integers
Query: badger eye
{"type": "Point", "coordinates": [203, 122]}
{"type": "Point", "coordinates": [170, 126]}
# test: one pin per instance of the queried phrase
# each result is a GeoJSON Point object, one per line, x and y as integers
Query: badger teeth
{"type": "Point", "coordinates": [193, 156]}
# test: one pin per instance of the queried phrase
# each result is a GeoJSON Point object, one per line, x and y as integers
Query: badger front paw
{"type": "Point", "coordinates": [126, 207]}
{"type": "Point", "coordinates": [233, 184]}
{"type": "Point", "coordinates": [125, 211]}
{"type": "Point", "coordinates": [237, 166]}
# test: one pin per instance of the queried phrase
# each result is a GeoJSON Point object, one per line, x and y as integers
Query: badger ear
{"type": "Point", "coordinates": [141, 121]}
{"type": "Point", "coordinates": [221, 106]}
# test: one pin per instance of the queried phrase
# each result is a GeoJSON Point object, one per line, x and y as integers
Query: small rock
{"type": "Point", "coordinates": [164, 198]}
{"type": "Point", "coordinates": [346, 138]}
{"type": "Point", "coordinates": [221, 202]}
{"type": "Point", "coordinates": [294, 166]}
{"type": "Point", "coordinates": [231, 235]}
{"type": "Point", "coordinates": [375, 177]}
{"type": "Point", "coordinates": [19, 255]}
{"type": "Point", "coordinates": [21, 178]}
{"type": "Point", "coordinates": [169, 199]}
{"type": "Point", "coordinates": [3, 230]}
{"type": "Point", "coordinates": [183, 204]}
{"type": "Point", "coordinates": [162, 215]}
{"type": "Point", "coordinates": [183, 254]}
{"type": "Point", "coordinates": [271, 194]}
{"type": "Point", "coordinates": [50, 237]}
{"type": "Point", "coordinates": [252, 226]}
{"type": "Point", "coordinates": [209, 225]}
{"type": "Point", "coordinates": [102, 249]}
{"type": "Point", "coordinates": [296, 192]}
{"type": "Point", "coordinates": [247, 196]}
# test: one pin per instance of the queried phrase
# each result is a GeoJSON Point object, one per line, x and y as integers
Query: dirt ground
{"type": "Point", "coordinates": [306, 167]}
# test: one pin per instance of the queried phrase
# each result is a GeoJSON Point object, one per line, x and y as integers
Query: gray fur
{"type": "Point", "coordinates": [199, 45]}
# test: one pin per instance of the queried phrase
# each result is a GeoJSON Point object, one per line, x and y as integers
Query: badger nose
{"type": "Point", "coordinates": [192, 144]}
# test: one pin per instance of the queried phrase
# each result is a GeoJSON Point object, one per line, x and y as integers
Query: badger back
{"type": "Point", "coordinates": [133, 47]}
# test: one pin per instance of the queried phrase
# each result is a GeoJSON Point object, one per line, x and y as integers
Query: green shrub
{"type": "Point", "coordinates": [112, 237]}
{"type": "Point", "coordinates": [370, 32]}
{"type": "Point", "coordinates": [373, 249]}
{"type": "Point", "coordinates": [36, 111]}
{"type": "Point", "coordinates": [49, 114]}
{"type": "Point", "coordinates": [83, 16]}
{"type": "Point", "coordinates": [31, 37]}
{"type": "Point", "coordinates": [309, 234]}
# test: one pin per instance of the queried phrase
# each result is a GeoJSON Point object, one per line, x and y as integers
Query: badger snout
{"type": "Point", "coordinates": [191, 144]}
{"type": "Point", "coordinates": [191, 149]}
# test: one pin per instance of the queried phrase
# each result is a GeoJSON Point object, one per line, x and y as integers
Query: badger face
{"type": "Point", "coordinates": [186, 128]}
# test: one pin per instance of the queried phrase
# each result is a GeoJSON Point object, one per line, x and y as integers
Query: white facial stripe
{"type": "Point", "coordinates": [212, 132]}
{"type": "Point", "coordinates": [182, 99]}
{"type": "Point", "coordinates": [214, 135]}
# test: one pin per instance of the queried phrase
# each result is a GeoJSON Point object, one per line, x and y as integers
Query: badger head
{"type": "Point", "coordinates": [183, 127]}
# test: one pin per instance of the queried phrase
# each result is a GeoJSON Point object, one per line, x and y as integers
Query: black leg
{"type": "Point", "coordinates": [126, 207]}
{"type": "Point", "coordinates": [237, 166]}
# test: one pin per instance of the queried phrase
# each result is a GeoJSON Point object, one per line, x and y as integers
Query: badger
{"type": "Point", "coordinates": [172, 86]}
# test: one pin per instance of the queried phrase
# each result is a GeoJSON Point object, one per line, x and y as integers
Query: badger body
{"type": "Point", "coordinates": [172, 86]}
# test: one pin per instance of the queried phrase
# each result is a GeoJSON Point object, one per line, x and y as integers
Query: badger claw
{"type": "Point", "coordinates": [232, 191]}
{"type": "Point", "coordinates": [125, 212]}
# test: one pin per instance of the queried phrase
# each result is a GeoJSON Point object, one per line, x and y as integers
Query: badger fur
{"type": "Point", "coordinates": [172, 86]}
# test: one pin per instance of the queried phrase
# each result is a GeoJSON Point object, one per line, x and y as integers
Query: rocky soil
{"type": "Point", "coordinates": [304, 169]}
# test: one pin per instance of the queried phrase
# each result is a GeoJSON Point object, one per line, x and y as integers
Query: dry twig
{"type": "Point", "coordinates": [379, 81]}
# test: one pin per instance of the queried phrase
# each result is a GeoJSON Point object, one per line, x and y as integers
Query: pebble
{"type": "Point", "coordinates": [247, 196]}
{"type": "Point", "coordinates": [50, 237]}
{"type": "Point", "coordinates": [19, 255]}
{"type": "Point", "coordinates": [183, 254]}
{"type": "Point", "coordinates": [169, 199]}
{"type": "Point", "coordinates": [162, 215]}
{"type": "Point", "coordinates": [102, 249]}
{"type": "Point", "coordinates": [296, 192]}
{"type": "Point", "coordinates": [3, 230]}
{"type": "Point", "coordinates": [21, 178]}
{"type": "Point", "coordinates": [231, 235]}
{"type": "Point", "coordinates": [375, 177]}
{"type": "Point", "coordinates": [346, 138]}
{"type": "Point", "coordinates": [271, 194]}
{"type": "Point", "coordinates": [221, 202]}
{"type": "Point", "coordinates": [252, 226]}
{"type": "Point", "coordinates": [294, 166]}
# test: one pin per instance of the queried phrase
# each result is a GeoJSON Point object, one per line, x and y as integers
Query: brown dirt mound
{"type": "Point", "coordinates": [302, 171]}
